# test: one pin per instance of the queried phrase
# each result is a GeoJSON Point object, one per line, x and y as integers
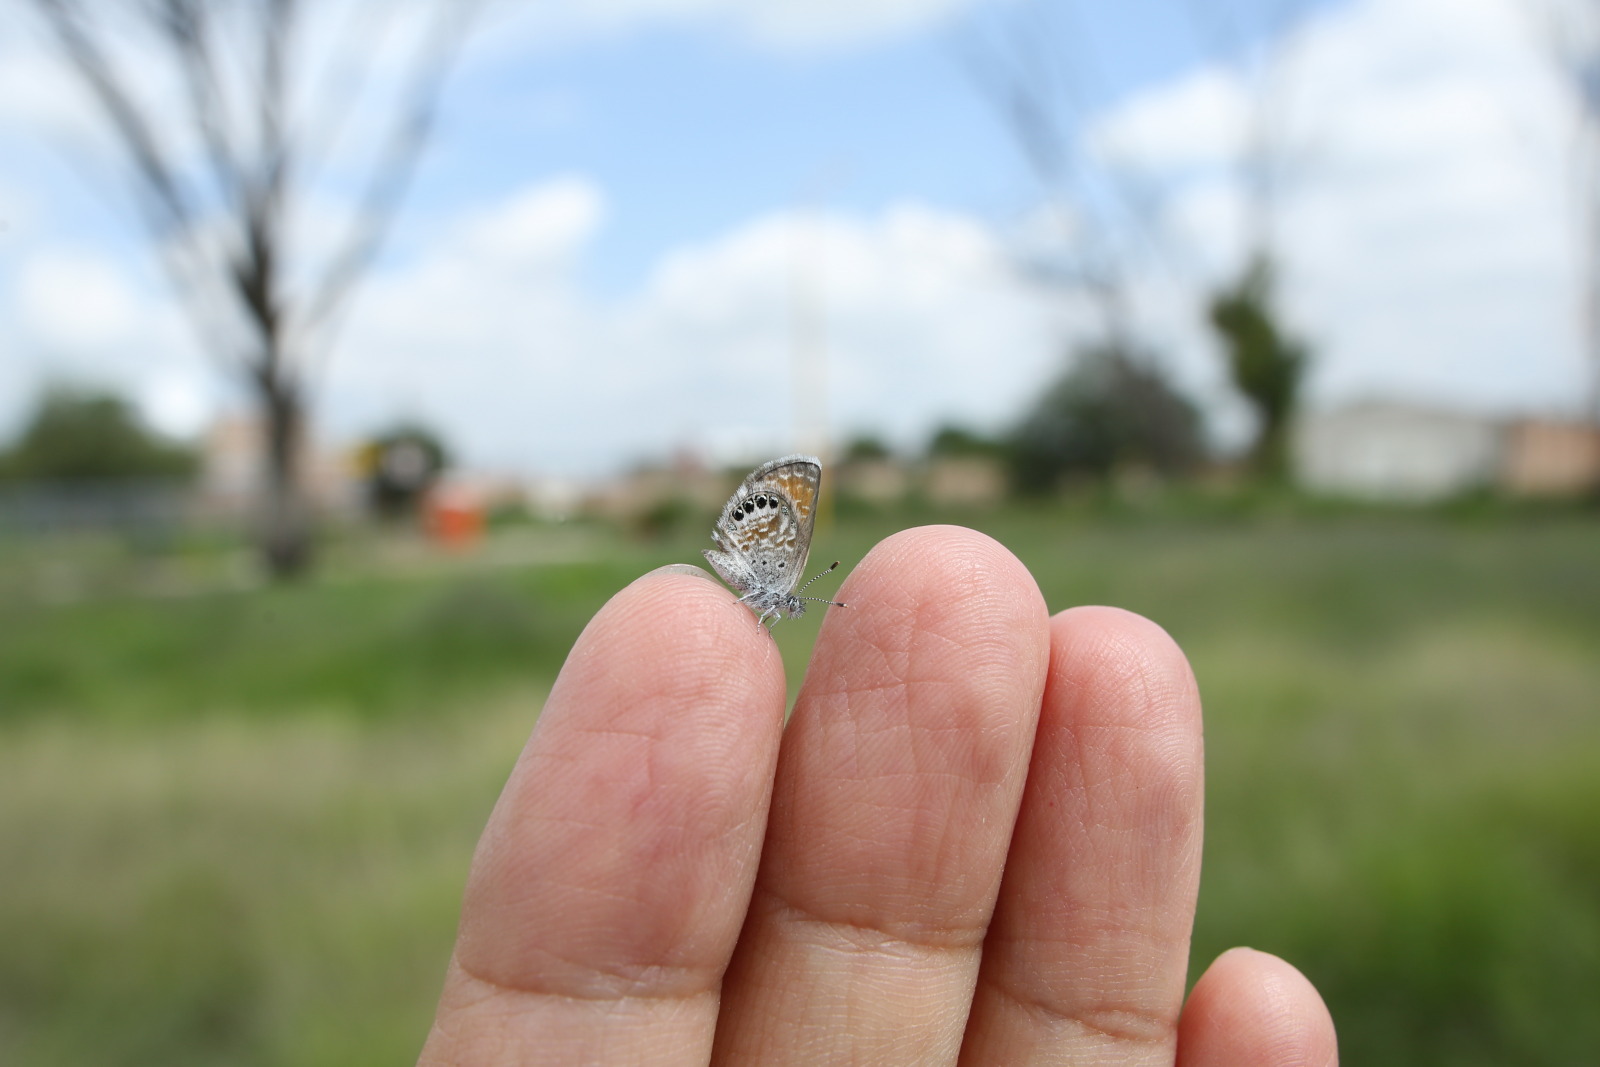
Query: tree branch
{"type": "Point", "coordinates": [395, 166]}
{"type": "Point", "coordinates": [1044, 96]}
{"type": "Point", "coordinates": [168, 207]}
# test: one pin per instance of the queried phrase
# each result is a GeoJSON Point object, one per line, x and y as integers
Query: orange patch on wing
{"type": "Point", "coordinates": [798, 486]}
{"type": "Point", "coordinates": [763, 528]}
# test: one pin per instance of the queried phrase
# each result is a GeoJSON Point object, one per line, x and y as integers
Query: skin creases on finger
{"type": "Point", "coordinates": [898, 783]}
{"type": "Point", "coordinates": [609, 887]}
{"type": "Point", "coordinates": [1086, 958]}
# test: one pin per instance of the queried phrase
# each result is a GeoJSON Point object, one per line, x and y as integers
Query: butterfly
{"type": "Point", "coordinates": [764, 536]}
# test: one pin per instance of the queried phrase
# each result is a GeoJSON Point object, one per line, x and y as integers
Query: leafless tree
{"type": "Point", "coordinates": [226, 118]}
{"type": "Point", "coordinates": [1255, 38]}
{"type": "Point", "coordinates": [1039, 66]}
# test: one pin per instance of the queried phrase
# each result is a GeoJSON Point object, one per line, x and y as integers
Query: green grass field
{"type": "Point", "coordinates": [234, 825]}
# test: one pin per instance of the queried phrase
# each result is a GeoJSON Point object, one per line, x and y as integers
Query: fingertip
{"type": "Point", "coordinates": [930, 574]}
{"type": "Point", "coordinates": [1253, 1009]}
{"type": "Point", "coordinates": [923, 597]}
{"type": "Point", "coordinates": [1127, 694]}
{"type": "Point", "coordinates": [680, 614]}
{"type": "Point", "coordinates": [1114, 669]}
{"type": "Point", "coordinates": [1102, 638]}
{"type": "Point", "coordinates": [682, 568]}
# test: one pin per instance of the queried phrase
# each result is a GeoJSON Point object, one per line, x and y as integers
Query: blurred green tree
{"type": "Point", "coordinates": [864, 446]}
{"type": "Point", "coordinates": [960, 441]}
{"type": "Point", "coordinates": [1110, 410]}
{"type": "Point", "coordinates": [82, 435]}
{"type": "Point", "coordinates": [401, 464]}
{"type": "Point", "coordinates": [1268, 365]}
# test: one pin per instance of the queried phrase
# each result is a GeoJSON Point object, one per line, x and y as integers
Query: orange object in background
{"type": "Point", "coordinates": [454, 518]}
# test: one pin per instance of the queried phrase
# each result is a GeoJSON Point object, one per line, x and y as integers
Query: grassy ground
{"type": "Point", "coordinates": [234, 824]}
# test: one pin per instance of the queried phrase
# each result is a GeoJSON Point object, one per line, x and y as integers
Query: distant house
{"type": "Point", "coordinates": [1548, 458]}
{"type": "Point", "coordinates": [685, 481]}
{"type": "Point", "coordinates": [1401, 452]}
{"type": "Point", "coordinates": [965, 481]}
{"type": "Point", "coordinates": [1391, 451]}
{"type": "Point", "coordinates": [233, 470]}
{"type": "Point", "coordinates": [876, 481]}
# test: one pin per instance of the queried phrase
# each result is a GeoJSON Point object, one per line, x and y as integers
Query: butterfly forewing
{"type": "Point", "coordinates": [798, 478]}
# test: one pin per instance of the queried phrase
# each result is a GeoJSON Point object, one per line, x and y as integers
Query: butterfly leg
{"type": "Point", "coordinates": [761, 616]}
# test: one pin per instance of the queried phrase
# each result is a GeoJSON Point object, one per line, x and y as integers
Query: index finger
{"type": "Point", "coordinates": [610, 884]}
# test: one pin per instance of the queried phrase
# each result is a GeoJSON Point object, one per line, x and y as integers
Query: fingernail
{"type": "Point", "coordinates": [682, 568]}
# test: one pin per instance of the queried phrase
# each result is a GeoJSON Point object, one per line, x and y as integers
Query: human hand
{"type": "Point", "coordinates": [978, 844]}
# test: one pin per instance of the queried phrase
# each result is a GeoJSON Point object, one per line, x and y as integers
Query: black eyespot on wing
{"type": "Point", "coordinates": [737, 515]}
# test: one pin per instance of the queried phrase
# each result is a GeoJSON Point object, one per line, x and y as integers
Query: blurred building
{"type": "Point", "coordinates": [233, 471]}
{"type": "Point", "coordinates": [878, 481]}
{"type": "Point", "coordinates": [1410, 453]}
{"type": "Point", "coordinates": [965, 481]}
{"type": "Point", "coordinates": [1544, 457]}
{"type": "Point", "coordinates": [685, 482]}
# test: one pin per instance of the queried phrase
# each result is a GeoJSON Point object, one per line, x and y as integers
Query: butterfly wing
{"type": "Point", "coordinates": [731, 568]}
{"type": "Point", "coordinates": [766, 526]}
{"type": "Point", "coordinates": [799, 478]}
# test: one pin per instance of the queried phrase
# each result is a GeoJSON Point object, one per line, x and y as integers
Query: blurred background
{"type": "Point", "coordinates": [353, 353]}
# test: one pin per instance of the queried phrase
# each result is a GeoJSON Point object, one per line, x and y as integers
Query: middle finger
{"type": "Point", "coordinates": [898, 783]}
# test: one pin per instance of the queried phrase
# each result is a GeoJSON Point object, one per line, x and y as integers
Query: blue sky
{"type": "Point", "coordinates": [648, 226]}
{"type": "Point", "coordinates": [691, 127]}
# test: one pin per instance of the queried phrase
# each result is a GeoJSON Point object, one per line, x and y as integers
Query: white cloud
{"type": "Point", "coordinates": [1426, 234]}
{"type": "Point", "coordinates": [35, 91]}
{"type": "Point", "coordinates": [873, 322]}
{"type": "Point", "coordinates": [75, 300]}
{"type": "Point", "coordinates": [543, 225]}
{"type": "Point", "coordinates": [176, 404]}
{"type": "Point", "coordinates": [1199, 121]}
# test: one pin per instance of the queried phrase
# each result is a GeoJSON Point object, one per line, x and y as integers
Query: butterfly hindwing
{"type": "Point", "coordinates": [763, 536]}
{"type": "Point", "coordinates": [767, 523]}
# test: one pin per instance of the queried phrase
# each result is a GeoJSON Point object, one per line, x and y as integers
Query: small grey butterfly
{"type": "Point", "coordinates": [764, 535]}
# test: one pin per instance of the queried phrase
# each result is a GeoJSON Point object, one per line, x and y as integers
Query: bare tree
{"type": "Point", "coordinates": [218, 177]}
{"type": "Point", "coordinates": [1039, 66]}
{"type": "Point", "coordinates": [1254, 38]}
{"type": "Point", "coordinates": [1094, 235]}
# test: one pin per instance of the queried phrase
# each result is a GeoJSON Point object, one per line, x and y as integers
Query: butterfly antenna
{"type": "Point", "coordinates": [819, 599]}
